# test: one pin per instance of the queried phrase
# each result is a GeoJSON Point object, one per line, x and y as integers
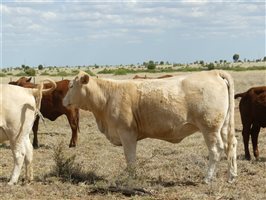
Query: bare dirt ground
{"type": "Point", "coordinates": [167, 171]}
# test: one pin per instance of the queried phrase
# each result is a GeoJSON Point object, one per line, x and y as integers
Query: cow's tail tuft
{"type": "Point", "coordinates": [228, 129]}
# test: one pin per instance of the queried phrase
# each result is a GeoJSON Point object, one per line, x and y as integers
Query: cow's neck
{"type": "Point", "coordinates": [101, 90]}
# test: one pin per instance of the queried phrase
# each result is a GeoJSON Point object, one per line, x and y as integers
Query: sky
{"type": "Point", "coordinates": [73, 33]}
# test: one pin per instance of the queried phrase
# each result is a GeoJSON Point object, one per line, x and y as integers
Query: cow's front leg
{"type": "Point", "coordinates": [129, 142]}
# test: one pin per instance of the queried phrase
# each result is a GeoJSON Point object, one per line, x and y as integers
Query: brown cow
{"type": "Point", "coordinates": [146, 77]}
{"type": "Point", "coordinates": [252, 109]}
{"type": "Point", "coordinates": [52, 108]}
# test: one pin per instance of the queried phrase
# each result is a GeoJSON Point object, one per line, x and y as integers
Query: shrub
{"type": "Point", "coordinates": [151, 65]}
{"type": "Point", "coordinates": [68, 170]}
{"type": "Point", "coordinates": [62, 73]}
{"type": "Point", "coordinates": [2, 74]}
{"type": "Point", "coordinates": [106, 71]}
{"type": "Point", "coordinates": [30, 72]}
{"type": "Point", "coordinates": [45, 73]}
{"type": "Point", "coordinates": [21, 74]}
{"type": "Point", "coordinates": [210, 66]}
{"type": "Point", "coordinates": [120, 71]}
{"type": "Point", "coordinates": [90, 72]}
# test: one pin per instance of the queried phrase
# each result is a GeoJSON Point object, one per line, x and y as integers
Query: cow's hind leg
{"type": "Point", "coordinates": [246, 135]}
{"type": "Point", "coordinates": [215, 146]}
{"type": "Point", "coordinates": [28, 160]}
{"type": "Point", "coordinates": [254, 136]}
{"type": "Point", "coordinates": [18, 151]}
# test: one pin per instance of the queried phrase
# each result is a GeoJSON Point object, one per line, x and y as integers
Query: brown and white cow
{"type": "Point", "coordinates": [52, 108]}
{"type": "Point", "coordinates": [252, 107]}
{"type": "Point", "coordinates": [127, 111]}
{"type": "Point", "coordinates": [18, 109]}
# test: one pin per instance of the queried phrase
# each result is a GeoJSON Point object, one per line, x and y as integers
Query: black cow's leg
{"type": "Point", "coordinates": [254, 136]}
{"type": "Point", "coordinates": [35, 132]}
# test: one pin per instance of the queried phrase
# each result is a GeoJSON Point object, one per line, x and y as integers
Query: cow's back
{"type": "Point", "coordinates": [17, 104]}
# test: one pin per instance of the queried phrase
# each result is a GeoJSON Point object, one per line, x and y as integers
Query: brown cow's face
{"type": "Point", "coordinates": [77, 92]}
{"type": "Point", "coordinates": [21, 81]}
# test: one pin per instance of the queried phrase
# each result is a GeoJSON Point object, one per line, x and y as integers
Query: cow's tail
{"type": "Point", "coordinates": [39, 92]}
{"type": "Point", "coordinates": [228, 129]}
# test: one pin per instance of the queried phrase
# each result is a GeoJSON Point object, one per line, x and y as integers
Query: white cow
{"type": "Point", "coordinates": [167, 109]}
{"type": "Point", "coordinates": [18, 109]}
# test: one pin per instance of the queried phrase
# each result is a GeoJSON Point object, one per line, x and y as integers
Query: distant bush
{"type": "Point", "coordinates": [168, 69]}
{"type": "Point", "coordinates": [30, 72]}
{"type": "Point", "coordinates": [120, 71]}
{"type": "Point", "coordinates": [74, 71]}
{"type": "Point", "coordinates": [2, 74]}
{"type": "Point", "coordinates": [62, 73]}
{"type": "Point", "coordinates": [210, 66]}
{"type": "Point", "coordinates": [21, 74]}
{"type": "Point", "coordinates": [150, 65]}
{"type": "Point", "coordinates": [45, 73]}
{"type": "Point", "coordinates": [106, 71]}
{"type": "Point", "coordinates": [89, 72]}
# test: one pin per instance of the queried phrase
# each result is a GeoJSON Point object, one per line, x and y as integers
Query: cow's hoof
{"type": "Point", "coordinates": [72, 145]}
{"type": "Point", "coordinates": [247, 157]}
{"type": "Point", "coordinates": [207, 180]}
{"type": "Point", "coordinates": [11, 183]}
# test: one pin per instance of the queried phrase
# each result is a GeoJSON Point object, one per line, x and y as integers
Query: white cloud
{"type": "Point", "coordinates": [49, 15]}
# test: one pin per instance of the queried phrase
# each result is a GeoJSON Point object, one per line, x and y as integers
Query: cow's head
{"type": "Point", "coordinates": [77, 91]}
{"type": "Point", "coordinates": [21, 81]}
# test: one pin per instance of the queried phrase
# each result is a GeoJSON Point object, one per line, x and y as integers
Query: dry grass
{"type": "Point", "coordinates": [95, 169]}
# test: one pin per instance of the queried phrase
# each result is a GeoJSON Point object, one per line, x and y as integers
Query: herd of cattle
{"type": "Point", "coordinates": [130, 110]}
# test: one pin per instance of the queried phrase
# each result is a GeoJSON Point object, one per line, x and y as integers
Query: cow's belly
{"type": "Point", "coordinates": [174, 135]}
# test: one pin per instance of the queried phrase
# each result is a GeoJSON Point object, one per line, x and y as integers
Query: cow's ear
{"type": "Point", "coordinates": [29, 79]}
{"type": "Point", "coordinates": [84, 79]}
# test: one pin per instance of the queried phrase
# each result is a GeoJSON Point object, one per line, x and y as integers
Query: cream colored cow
{"type": "Point", "coordinates": [18, 109]}
{"type": "Point", "coordinates": [167, 109]}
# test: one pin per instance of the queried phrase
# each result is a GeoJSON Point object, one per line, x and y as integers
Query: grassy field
{"type": "Point", "coordinates": [165, 170]}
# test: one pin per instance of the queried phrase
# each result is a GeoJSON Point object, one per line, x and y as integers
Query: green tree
{"type": "Point", "coordinates": [210, 66]}
{"type": "Point", "coordinates": [264, 59]}
{"type": "Point", "coordinates": [235, 57]}
{"type": "Point", "coordinates": [151, 65]}
{"type": "Point", "coordinates": [30, 72]}
{"type": "Point", "coordinates": [40, 67]}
